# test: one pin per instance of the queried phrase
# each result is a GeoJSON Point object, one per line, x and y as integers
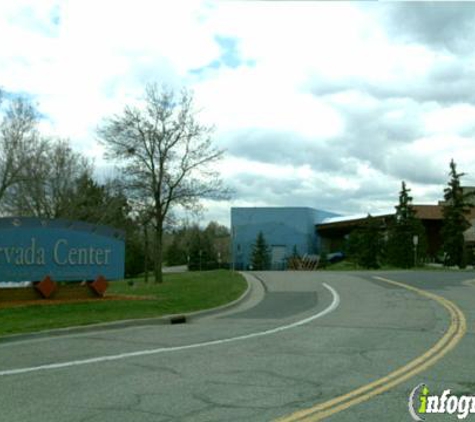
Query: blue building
{"type": "Point", "coordinates": [283, 228]}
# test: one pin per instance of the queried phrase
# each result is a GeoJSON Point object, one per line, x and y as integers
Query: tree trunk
{"type": "Point", "coordinates": [158, 252]}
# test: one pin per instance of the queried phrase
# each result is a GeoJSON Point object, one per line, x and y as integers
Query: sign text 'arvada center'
{"type": "Point", "coordinates": [31, 248]}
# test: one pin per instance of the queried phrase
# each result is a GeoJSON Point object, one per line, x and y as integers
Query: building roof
{"type": "Point", "coordinates": [349, 218]}
{"type": "Point", "coordinates": [423, 212]}
{"type": "Point", "coordinates": [429, 212]}
{"type": "Point", "coordinates": [352, 221]}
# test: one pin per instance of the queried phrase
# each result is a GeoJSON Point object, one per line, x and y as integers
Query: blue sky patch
{"type": "Point", "coordinates": [55, 16]}
{"type": "Point", "coordinates": [45, 24]}
{"type": "Point", "coordinates": [13, 95]}
{"type": "Point", "coordinates": [229, 56]}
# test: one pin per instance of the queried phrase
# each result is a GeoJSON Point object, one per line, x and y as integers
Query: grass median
{"type": "Point", "coordinates": [133, 299]}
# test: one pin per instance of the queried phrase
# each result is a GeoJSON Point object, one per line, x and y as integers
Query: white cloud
{"type": "Point", "coordinates": [250, 97]}
{"type": "Point", "coordinates": [101, 56]}
{"type": "Point", "coordinates": [360, 106]}
{"type": "Point", "coordinates": [455, 119]}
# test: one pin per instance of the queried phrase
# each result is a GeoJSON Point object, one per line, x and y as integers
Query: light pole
{"type": "Point", "coordinates": [200, 258]}
{"type": "Point", "coordinates": [415, 241]}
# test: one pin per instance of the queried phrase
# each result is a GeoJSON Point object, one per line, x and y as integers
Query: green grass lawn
{"type": "Point", "coordinates": [179, 293]}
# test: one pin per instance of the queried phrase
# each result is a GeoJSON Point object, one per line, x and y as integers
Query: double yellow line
{"type": "Point", "coordinates": [455, 332]}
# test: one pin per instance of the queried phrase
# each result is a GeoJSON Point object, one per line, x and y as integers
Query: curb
{"type": "Point", "coordinates": [218, 309]}
{"type": "Point", "coordinates": [105, 326]}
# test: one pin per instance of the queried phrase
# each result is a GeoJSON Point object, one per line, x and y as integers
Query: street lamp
{"type": "Point", "coordinates": [415, 241]}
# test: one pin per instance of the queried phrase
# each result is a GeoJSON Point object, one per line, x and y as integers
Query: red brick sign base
{"type": "Point", "coordinates": [49, 289]}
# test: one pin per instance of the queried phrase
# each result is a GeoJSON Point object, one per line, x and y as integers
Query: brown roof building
{"type": "Point", "coordinates": [334, 231]}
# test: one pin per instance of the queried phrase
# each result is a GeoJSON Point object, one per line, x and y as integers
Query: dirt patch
{"type": "Point", "coordinates": [46, 302]}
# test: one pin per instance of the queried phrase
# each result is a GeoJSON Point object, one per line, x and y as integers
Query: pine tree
{"type": "Point", "coordinates": [400, 245]}
{"type": "Point", "coordinates": [260, 258]}
{"type": "Point", "coordinates": [366, 243]}
{"type": "Point", "coordinates": [295, 252]}
{"type": "Point", "coordinates": [175, 253]}
{"type": "Point", "coordinates": [201, 251]}
{"type": "Point", "coordinates": [457, 206]}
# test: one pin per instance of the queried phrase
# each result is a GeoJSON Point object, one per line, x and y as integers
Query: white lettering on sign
{"type": "Point", "coordinates": [63, 255]}
{"type": "Point", "coordinates": [32, 255]}
{"type": "Point", "coordinates": [55, 252]}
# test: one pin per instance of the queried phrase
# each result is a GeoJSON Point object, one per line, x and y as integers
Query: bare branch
{"type": "Point", "coordinates": [48, 181]}
{"type": "Point", "coordinates": [166, 155]}
{"type": "Point", "coordinates": [19, 143]}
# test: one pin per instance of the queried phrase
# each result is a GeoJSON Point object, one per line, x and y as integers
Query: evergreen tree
{"type": "Point", "coordinates": [457, 206]}
{"type": "Point", "coordinates": [194, 248]}
{"type": "Point", "coordinates": [106, 204]}
{"type": "Point", "coordinates": [201, 251]}
{"type": "Point", "coordinates": [366, 244]}
{"type": "Point", "coordinates": [188, 241]}
{"type": "Point", "coordinates": [98, 203]}
{"type": "Point", "coordinates": [260, 258]}
{"type": "Point", "coordinates": [400, 245]}
{"type": "Point", "coordinates": [294, 260]}
{"type": "Point", "coordinates": [176, 253]}
{"type": "Point", "coordinates": [221, 238]}
{"type": "Point", "coordinates": [323, 262]}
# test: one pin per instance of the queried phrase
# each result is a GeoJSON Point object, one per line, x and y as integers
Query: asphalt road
{"type": "Point", "coordinates": [295, 343]}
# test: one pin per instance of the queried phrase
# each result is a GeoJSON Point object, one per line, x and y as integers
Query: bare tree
{"type": "Point", "coordinates": [50, 182]}
{"type": "Point", "coordinates": [166, 156]}
{"type": "Point", "coordinates": [20, 143]}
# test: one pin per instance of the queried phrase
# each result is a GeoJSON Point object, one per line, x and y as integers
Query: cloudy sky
{"type": "Point", "coordinates": [321, 104]}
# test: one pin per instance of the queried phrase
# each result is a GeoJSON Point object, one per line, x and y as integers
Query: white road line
{"type": "Point", "coordinates": [331, 308]}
